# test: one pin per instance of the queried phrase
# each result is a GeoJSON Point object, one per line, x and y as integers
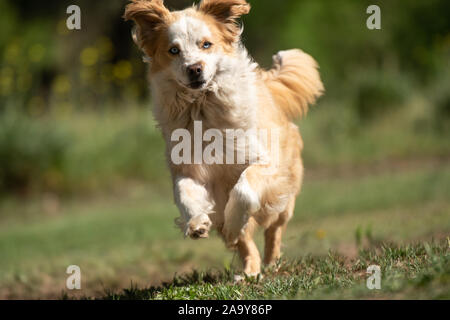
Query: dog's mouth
{"type": "Point", "coordinates": [194, 85]}
{"type": "Point", "coordinates": [197, 85]}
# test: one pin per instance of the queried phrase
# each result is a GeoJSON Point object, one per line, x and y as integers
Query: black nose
{"type": "Point", "coordinates": [194, 71]}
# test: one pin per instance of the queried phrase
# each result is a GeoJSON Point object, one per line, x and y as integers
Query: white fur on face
{"type": "Point", "coordinates": [188, 34]}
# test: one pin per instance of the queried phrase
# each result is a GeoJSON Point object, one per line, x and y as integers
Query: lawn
{"type": "Point", "coordinates": [420, 271]}
{"type": "Point", "coordinates": [381, 202]}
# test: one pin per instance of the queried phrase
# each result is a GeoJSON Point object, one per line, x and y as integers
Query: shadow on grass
{"type": "Point", "coordinates": [190, 279]}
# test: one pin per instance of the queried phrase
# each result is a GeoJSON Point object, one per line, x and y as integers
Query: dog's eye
{"type": "Point", "coordinates": [174, 50]}
{"type": "Point", "coordinates": [207, 45]}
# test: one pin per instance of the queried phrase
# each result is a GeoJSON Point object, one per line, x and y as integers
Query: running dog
{"type": "Point", "coordinates": [200, 72]}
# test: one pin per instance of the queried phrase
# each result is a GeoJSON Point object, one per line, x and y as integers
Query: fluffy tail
{"type": "Point", "coordinates": [294, 82]}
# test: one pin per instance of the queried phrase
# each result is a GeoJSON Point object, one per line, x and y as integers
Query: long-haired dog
{"type": "Point", "coordinates": [201, 73]}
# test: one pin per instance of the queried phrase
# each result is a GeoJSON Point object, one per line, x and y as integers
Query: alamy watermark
{"type": "Point", "coordinates": [73, 22]}
{"type": "Point", "coordinates": [226, 147]}
{"type": "Point", "coordinates": [374, 20]}
{"type": "Point", "coordinates": [374, 281]}
{"type": "Point", "coordinates": [74, 280]}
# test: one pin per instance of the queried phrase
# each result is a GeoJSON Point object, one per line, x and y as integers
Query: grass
{"type": "Point", "coordinates": [412, 271]}
{"type": "Point", "coordinates": [367, 198]}
{"type": "Point", "coordinates": [132, 239]}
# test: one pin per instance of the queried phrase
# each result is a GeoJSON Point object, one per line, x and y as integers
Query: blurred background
{"type": "Point", "coordinates": [83, 178]}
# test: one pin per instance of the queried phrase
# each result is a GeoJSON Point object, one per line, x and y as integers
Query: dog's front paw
{"type": "Point", "coordinates": [198, 227]}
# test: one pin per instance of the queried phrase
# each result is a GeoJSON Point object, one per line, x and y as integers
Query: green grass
{"type": "Point", "coordinates": [366, 196]}
{"type": "Point", "coordinates": [413, 271]}
{"type": "Point", "coordinates": [132, 238]}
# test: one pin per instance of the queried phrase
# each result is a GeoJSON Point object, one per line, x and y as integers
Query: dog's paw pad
{"type": "Point", "coordinates": [198, 228]}
{"type": "Point", "coordinates": [200, 233]}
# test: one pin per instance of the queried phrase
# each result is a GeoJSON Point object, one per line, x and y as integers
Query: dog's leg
{"type": "Point", "coordinates": [242, 203]}
{"type": "Point", "coordinates": [248, 251]}
{"type": "Point", "coordinates": [195, 206]}
{"type": "Point", "coordinates": [272, 243]}
{"type": "Point", "coordinates": [273, 235]}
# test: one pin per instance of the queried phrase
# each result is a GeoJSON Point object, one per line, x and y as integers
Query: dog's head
{"type": "Point", "coordinates": [187, 45]}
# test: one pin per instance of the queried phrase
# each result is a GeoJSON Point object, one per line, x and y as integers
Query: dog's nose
{"type": "Point", "coordinates": [195, 70]}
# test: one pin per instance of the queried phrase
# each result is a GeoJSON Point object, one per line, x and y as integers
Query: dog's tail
{"type": "Point", "coordinates": [294, 82]}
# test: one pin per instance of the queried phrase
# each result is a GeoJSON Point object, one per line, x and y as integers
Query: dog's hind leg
{"type": "Point", "coordinates": [248, 251]}
{"type": "Point", "coordinates": [273, 234]}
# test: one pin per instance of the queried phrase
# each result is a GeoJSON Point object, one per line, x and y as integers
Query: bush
{"type": "Point", "coordinates": [79, 153]}
{"type": "Point", "coordinates": [378, 93]}
{"type": "Point", "coordinates": [108, 151]}
{"type": "Point", "coordinates": [31, 153]}
{"type": "Point", "coordinates": [440, 97]}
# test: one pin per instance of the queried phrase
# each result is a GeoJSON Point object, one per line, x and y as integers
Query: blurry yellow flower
{"type": "Point", "coordinates": [36, 52]}
{"type": "Point", "coordinates": [321, 234]}
{"type": "Point", "coordinates": [89, 56]}
{"type": "Point", "coordinates": [61, 84]}
{"type": "Point", "coordinates": [122, 70]}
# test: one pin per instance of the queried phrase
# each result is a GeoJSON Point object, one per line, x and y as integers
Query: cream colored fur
{"type": "Point", "coordinates": [238, 94]}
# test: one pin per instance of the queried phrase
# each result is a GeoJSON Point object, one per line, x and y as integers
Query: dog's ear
{"type": "Point", "coordinates": [150, 17]}
{"type": "Point", "coordinates": [227, 12]}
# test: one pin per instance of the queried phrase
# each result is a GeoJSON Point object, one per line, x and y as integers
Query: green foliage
{"type": "Point", "coordinates": [116, 148]}
{"type": "Point", "coordinates": [85, 152]}
{"type": "Point", "coordinates": [378, 94]}
{"type": "Point", "coordinates": [45, 66]}
{"type": "Point", "coordinates": [60, 155]}
{"type": "Point", "coordinates": [30, 152]}
{"type": "Point", "coordinates": [440, 98]}
{"type": "Point", "coordinates": [373, 69]}
{"type": "Point", "coordinates": [373, 78]}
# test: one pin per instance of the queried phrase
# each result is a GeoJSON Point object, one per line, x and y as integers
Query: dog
{"type": "Point", "coordinates": [200, 72]}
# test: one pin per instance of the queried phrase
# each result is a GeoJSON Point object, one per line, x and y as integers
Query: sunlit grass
{"type": "Point", "coordinates": [412, 271]}
{"type": "Point", "coordinates": [133, 237]}
{"type": "Point", "coordinates": [109, 207]}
